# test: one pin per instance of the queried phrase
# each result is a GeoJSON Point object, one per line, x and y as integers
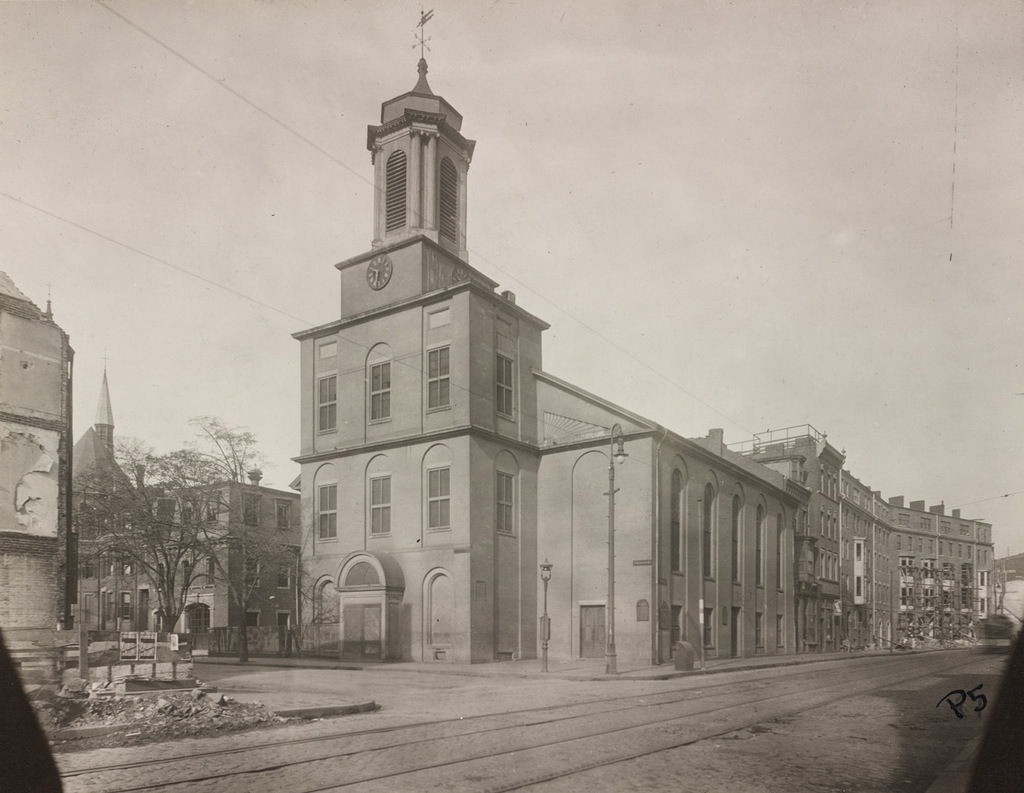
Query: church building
{"type": "Point", "coordinates": [442, 465]}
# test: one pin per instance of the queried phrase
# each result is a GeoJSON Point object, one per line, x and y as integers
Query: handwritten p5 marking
{"type": "Point", "coordinates": [957, 706]}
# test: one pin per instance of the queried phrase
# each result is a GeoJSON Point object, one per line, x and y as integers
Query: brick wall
{"type": "Point", "coordinates": [29, 587]}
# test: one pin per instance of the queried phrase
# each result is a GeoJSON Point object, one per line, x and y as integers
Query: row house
{"type": "Point", "coordinates": [117, 592]}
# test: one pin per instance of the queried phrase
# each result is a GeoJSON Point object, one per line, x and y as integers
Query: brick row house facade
{"type": "Point", "coordinates": [118, 594]}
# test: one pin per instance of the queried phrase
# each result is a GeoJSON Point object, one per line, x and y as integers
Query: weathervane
{"type": "Point", "coordinates": [421, 37]}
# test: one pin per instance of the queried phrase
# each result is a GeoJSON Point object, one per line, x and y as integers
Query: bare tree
{"type": "Point", "coordinates": [167, 513]}
{"type": "Point", "coordinates": [145, 511]}
{"type": "Point", "coordinates": [243, 543]}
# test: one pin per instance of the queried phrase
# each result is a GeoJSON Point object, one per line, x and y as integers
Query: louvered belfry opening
{"type": "Point", "coordinates": [395, 196]}
{"type": "Point", "coordinates": [449, 202]}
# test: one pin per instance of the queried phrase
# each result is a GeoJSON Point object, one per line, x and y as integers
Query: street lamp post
{"type": "Point", "coordinates": [616, 453]}
{"type": "Point", "coordinates": [545, 621]}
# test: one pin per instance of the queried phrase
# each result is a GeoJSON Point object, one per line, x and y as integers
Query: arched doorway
{"type": "Point", "coordinates": [371, 586]}
{"type": "Point", "coordinates": [439, 616]}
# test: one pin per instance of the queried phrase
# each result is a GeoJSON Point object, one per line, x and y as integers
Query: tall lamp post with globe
{"type": "Point", "coordinates": [616, 454]}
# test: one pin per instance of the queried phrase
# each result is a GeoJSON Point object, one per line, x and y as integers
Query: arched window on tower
{"type": "Point", "coordinates": [448, 213]}
{"type": "Point", "coordinates": [394, 191]}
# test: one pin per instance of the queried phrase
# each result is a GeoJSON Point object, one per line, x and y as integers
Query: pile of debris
{"type": "Point", "coordinates": [75, 718]}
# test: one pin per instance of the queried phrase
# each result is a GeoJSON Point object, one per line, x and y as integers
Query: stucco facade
{"type": "Point", "coordinates": [36, 590]}
{"type": "Point", "coordinates": [441, 465]}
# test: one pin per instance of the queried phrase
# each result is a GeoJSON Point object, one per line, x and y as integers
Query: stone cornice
{"type": "Point", "coordinates": [410, 117]}
{"type": "Point", "coordinates": [417, 438]}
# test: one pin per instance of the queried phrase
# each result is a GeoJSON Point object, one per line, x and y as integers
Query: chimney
{"type": "Point", "coordinates": [918, 505]}
{"type": "Point", "coordinates": [938, 509]}
{"type": "Point", "coordinates": [956, 513]}
{"type": "Point", "coordinates": [255, 475]}
{"type": "Point", "coordinates": [896, 501]}
{"type": "Point", "coordinates": [717, 437]}
{"type": "Point", "coordinates": [509, 296]}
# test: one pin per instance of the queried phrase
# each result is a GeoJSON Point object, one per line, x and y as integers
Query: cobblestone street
{"type": "Point", "coordinates": [861, 724]}
{"type": "Point", "coordinates": [894, 739]}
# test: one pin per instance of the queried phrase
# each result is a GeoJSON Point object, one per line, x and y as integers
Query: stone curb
{"type": "Point", "coordinates": [324, 711]}
{"type": "Point", "coordinates": [90, 731]}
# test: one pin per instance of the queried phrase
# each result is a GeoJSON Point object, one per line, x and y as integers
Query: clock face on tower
{"type": "Point", "coordinates": [378, 273]}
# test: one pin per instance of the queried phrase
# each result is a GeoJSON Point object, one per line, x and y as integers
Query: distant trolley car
{"type": "Point", "coordinates": [995, 633]}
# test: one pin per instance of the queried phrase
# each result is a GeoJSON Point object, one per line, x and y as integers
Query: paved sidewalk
{"type": "Point", "coordinates": [576, 669]}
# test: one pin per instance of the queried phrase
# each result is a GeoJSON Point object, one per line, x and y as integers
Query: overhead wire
{"type": "Point", "coordinates": [223, 85]}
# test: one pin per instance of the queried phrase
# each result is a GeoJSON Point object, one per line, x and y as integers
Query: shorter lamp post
{"type": "Point", "coordinates": [545, 620]}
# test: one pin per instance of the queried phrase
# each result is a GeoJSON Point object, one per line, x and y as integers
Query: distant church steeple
{"type": "Point", "coordinates": [421, 163]}
{"type": "Point", "coordinates": [104, 423]}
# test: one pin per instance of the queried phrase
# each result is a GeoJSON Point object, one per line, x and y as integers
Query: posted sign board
{"type": "Point", "coordinates": [129, 646]}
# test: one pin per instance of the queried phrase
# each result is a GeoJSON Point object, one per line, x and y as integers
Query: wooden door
{"type": "Point", "coordinates": [362, 640]}
{"type": "Point", "coordinates": [591, 631]}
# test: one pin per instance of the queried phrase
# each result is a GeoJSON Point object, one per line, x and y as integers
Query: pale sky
{"type": "Point", "coordinates": [745, 215]}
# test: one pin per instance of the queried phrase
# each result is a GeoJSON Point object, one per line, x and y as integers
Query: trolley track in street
{"type": "Point", "coordinates": [564, 726]}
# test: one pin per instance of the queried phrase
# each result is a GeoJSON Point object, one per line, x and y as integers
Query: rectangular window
{"type": "Point", "coordinates": [439, 498]}
{"type": "Point", "coordinates": [858, 584]}
{"type": "Point", "coordinates": [780, 633]}
{"type": "Point", "coordinates": [505, 503]}
{"type": "Point", "coordinates": [504, 394]}
{"type": "Point", "coordinates": [709, 627]}
{"type": "Point", "coordinates": [327, 513]}
{"type": "Point", "coordinates": [88, 569]}
{"type": "Point", "coordinates": [251, 509]}
{"type": "Point", "coordinates": [380, 505]}
{"type": "Point", "coordinates": [284, 577]}
{"type": "Point", "coordinates": [281, 510]}
{"type": "Point", "coordinates": [126, 605]}
{"type": "Point", "coordinates": [327, 401]}
{"type": "Point", "coordinates": [438, 383]}
{"type": "Point", "coordinates": [380, 391]}
{"type": "Point", "coordinates": [252, 619]}
{"type": "Point", "coordinates": [759, 629]}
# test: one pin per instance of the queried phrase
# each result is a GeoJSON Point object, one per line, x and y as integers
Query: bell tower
{"type": "Point", "coordinates": [421, 162]}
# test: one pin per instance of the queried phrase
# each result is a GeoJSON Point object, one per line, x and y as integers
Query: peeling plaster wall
{"type": "Point", "coordinates": [36, 589]}
{"type": "Point", "coordinates": [29, 489]}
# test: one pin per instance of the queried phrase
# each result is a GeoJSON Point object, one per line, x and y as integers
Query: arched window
{"type": "Point", "coordinates": [780, 547]}
{"type": "Point", "coordinates": [378, 379]}
{"type": "Point", "coordinates": [675, 521]}
{"type": "Point", "coordinates": [448, 213]}
{"type": "Point", "coordinates": [708, 528]}
{"type": "Point", "coordinates": [759, 547]}
{"type": "Point", "coordinates": [325, 602]}
{"type": "Point", "coordinates": [394, 191]}
{"type": "Point", "coordinates": [736, 512]}
{"type": "Point", "coordinates": [362, 574]}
